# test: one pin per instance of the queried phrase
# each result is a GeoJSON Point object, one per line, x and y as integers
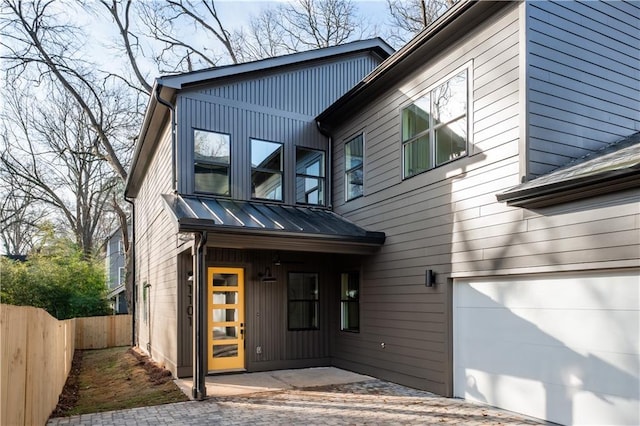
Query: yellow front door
{"type": "Point", "coordinates": [225, 295]}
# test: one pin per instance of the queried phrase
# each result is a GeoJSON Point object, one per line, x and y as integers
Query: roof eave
{"type": "Point", "coordinates": [181, 81]}
{"type": "Point", "coordinates": [426, 44]}
{"type": "Point", "coordinates": [153, 114]}
{"type": "Point", "coordinates": [575, 189]}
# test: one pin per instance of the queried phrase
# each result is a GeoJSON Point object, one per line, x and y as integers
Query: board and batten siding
{"type": "Point", "coordinates": [275, 106]}
{"type": "Point", "coordinates": [583, 72]}
{"type": "Point", "coordinates": [156, 260]}
{"type": "Point", "coordinates": [266, 310]}
{"type": "Point", "coordinates": [405, 326]}
{"type": "Point", "coordinates": [242, 122]}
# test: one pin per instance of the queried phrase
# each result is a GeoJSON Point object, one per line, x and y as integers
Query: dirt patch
{"type": "Point", "coordinates": [114, 379]}
{"type": "Point", "coordinates": [69, 396]}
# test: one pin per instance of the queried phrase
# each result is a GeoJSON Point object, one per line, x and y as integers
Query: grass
{"type": "Point", "coordinates": [115, 379]}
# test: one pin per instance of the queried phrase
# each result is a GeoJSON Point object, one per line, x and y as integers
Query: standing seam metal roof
{"type": "Point", "coordinates": [196, 213]}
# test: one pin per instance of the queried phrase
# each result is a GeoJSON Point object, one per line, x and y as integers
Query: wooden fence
{"type": "Point", "coordinates": [103, 332]}
{"type": "Point", "coordinates": [36, 355]}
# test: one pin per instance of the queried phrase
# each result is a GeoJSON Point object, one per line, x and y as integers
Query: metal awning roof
{"type": "Point", "coordinates": [254, 224]}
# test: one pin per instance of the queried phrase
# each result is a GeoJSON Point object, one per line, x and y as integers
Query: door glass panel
{"type": "Point", "coordinates": [225, 351]}
{"type": "Point", "coordinates": [225, 297]}
{"type": "Point", "coordinates": [222, 333]}
{"type": "Point", "coordinates": [225, 280]}
{"type": "Point", "coordinates": [225, 331]}
{"type": "Point", "coordinates": [224, 315]}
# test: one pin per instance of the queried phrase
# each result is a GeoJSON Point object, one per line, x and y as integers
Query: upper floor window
{"type": "Point", "coordinates": [122, 275]}
{"type": "Point", "coordinates": [211, 157]}
{"type": "Point", "coordinates": [309, 176]}
{"type": "Point", "coordinates": [354, 167]}
{"type": "Point", "coordinates": [266, 170]}
{"type": "Point", "coordinates": [434, 127]}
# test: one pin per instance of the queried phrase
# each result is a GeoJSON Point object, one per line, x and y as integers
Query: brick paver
{"type": "Point", "coordinates": [373, 402]}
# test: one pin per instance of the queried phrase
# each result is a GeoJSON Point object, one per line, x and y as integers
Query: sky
{"type": "Point", "coordinates": [234, 14]}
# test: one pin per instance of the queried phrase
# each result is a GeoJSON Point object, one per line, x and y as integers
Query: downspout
{"type": "Point", "coordinates": [325, 132]}
{"type": "Point", "coordinates": [199, 389]}
{"type": "Point", "coordinates": [172, 109]}
{"type": "Point", "coordinates": [132, 253]}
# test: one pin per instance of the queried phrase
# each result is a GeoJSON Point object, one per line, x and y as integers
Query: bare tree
{"type": "Point", "coordinates": [20, 217]}
{"type": "Point", "coordinates": [301, 25]}
{"type": "Point", "coordinates": [52, 150]}
{"type": "Point", "coordinates": [170, 21]}
{"type": "Point", "coordinates": [38, 38]}
{"type": "Point", "coordinates": [129, 43]}
{"type": "Point", "coordinates": [409, 17]}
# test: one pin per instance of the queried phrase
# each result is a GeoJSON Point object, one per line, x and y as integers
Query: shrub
{"type": "Point", "coordinates": [59, 280]}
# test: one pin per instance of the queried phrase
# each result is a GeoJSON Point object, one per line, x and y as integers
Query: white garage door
{"type": "Point", "coordinates": [561, 348]}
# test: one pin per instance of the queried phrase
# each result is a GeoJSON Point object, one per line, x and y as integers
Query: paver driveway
{"type": "Point", "coordinates": [371, 402]}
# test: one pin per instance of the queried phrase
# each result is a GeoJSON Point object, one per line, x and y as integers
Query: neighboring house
{"type": "Point", "coordinates": [115, 267]}
{"type": "Point", "coordinates": [464, 219]}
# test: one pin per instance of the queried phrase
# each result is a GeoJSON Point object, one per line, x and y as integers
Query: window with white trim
{"type": "Point", "coordinates": [122, 276]}
{"type": "Point", "coordinates": [435, 126]}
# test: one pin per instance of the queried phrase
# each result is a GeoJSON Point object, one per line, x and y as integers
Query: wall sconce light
{"type": "Point", "coordinates": [190, 276]}
{"type": "Point", "coordinates": [267, 277]}
{"type": "Point", "coordinates": [430, 278]}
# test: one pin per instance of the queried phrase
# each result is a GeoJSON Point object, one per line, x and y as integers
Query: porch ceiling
{"type": "Point", "coordinates": [260, 225]}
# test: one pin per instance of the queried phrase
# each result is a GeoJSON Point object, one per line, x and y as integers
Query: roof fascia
{"type": "Point", "coordinates": [252, 238]}
{"type": "Point", "coordinates": [436, 38]}
{"type": "Point", "coordinates": [560, 192]}
{"type": "Point", "coordinates": [152, 124]}
{"type": "Point", "coordinates": [180, 81]}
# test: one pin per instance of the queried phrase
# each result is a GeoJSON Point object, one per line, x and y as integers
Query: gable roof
{"type": "Point", "coordinates": [458, 20]}
{"type": "Point", "coordinates": [165, 89]}
{"type": "Point", "coordinates": [181, 81]}
{"type": "Point", "coordinates": [614, 168]}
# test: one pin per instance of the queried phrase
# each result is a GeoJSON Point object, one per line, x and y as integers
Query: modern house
{"type": "Point", "coordinates": [461, 217]}
{"type": "Point", "coordinates": [115, 264]}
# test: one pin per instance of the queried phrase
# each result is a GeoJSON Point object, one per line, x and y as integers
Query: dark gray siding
{"type": "Point", "coordinates": [306, 90]}
{"type": "Point", "coordinates": [277, 106]}
{"type": "Point", "coordinates": [266, 310]}
{"type": "Point", "coordinates": [243, 121]}
{"type": "Point", "coordinates": [421, 215]}
{"type": "Point", "coordinates": [584, 68]}
{"type": "Point", "coordinates": [448, 219]}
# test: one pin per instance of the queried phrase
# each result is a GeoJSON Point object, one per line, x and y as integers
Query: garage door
{"type": "Point", "coordinates": [561, 348]}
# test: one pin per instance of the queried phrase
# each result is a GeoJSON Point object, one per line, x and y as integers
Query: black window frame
{"type": "Point", "coordinates": [267, 170]}
{"type": "Point", "coordinates": [348, 301]}
{"type": "Point", "coordinates": [314, 302]}
{"type": "Point", "coordinates": [321, 178]}
{"type": "Point", "coordinates": [430, 132]}
{"type": "Point", "coordinates": [350, 170]}
{"type": "Point", "coordinates": [209, 164]}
